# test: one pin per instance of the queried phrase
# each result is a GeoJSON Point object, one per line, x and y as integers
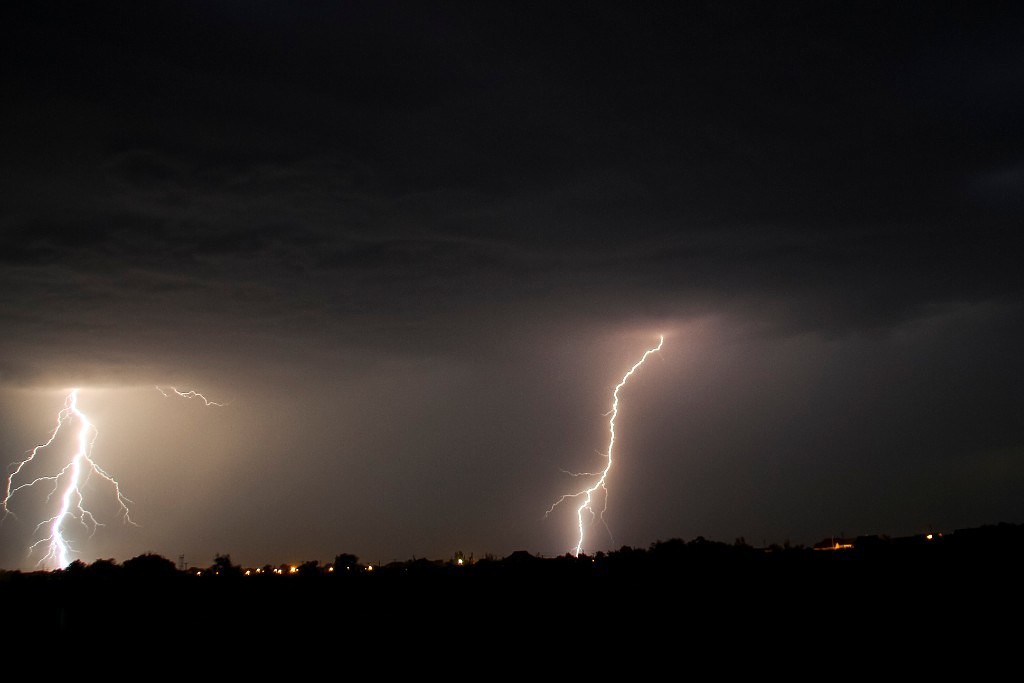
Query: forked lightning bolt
{"type": "Point", "coordinates": [69, 482]}
{"type": "Point", "coordinates": [587, 494]}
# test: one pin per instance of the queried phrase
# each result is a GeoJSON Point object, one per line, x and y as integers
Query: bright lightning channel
{"type": "Point", "coordinates": [588, 493]}
{"type": "Point", "coordinates": [70, 480]}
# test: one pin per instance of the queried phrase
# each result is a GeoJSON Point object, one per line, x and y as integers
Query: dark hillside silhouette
{"type": "Point", "coordinates": [906, 588]}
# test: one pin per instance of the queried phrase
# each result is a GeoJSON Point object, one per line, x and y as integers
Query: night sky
{"type": "Point", "coordinates": [415, 246]}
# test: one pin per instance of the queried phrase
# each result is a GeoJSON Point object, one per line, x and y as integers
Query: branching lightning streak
{"type": "Point", "coordinates": [190, 394]}
{"type": "Point", "coordinates": [72, 477]}
{"type": "Point", "coordinates": [588, 493]}
{"type": "Point", "coordinates": [70, 481]}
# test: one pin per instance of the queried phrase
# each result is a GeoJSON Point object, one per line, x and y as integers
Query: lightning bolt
{"type": "Point", "coordinates": [190, 394]}
{"type": "Point", "coordinates": [69, 481]}
{"type": "Point", "coordinates": [587, 494]}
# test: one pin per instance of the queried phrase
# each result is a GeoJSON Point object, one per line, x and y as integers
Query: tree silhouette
{"type": "Point", "coordinates": [103, 569]}
{"type": "Point", "coordinates": [76, 568]}
{"type": "Point", "coordinates": [150, 566]}
{"type": "Point", "coordinates": [222, 566]}
{"type": "Point", "coordinates": [345, 564]}
{"type": "Point", "coordinates": [309, 568]}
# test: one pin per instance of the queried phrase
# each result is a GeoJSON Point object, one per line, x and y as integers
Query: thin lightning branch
{"type": "Point", "coordinates": [579, 474]}
{"type": "Point", "coordinates": [190, 394]}
{"type": "Point", "coordinates": [601, 483]}
{"type": "Point", "coordinates": [69, 482]}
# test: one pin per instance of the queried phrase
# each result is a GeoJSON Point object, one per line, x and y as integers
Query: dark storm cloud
{"type": "Point", "coordinates": [825, 155]}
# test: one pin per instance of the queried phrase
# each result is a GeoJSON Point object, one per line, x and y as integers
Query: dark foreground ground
{"type": "Point", "coordinates": [913, 603]}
